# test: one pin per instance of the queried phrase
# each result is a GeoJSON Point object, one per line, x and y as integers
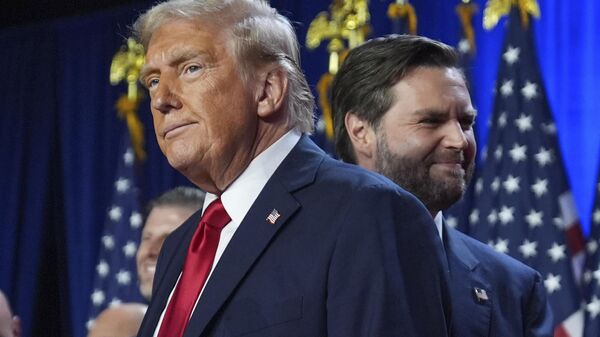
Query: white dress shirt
{"type": "Point", "coordinates": [439, 217]}
{"type": "Point", "coordinates": [241, 194]}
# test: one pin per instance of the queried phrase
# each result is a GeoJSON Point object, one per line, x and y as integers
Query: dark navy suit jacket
{"type": "Point", "coordinates": [516, 304]}
{"type": "Point", "coordinates": [351, 255]}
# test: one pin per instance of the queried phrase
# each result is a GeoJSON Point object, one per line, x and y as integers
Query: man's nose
{"type": "Point", "coordinates": [454, 136]}
{"type": "Point", "coordinates": [165, 98]}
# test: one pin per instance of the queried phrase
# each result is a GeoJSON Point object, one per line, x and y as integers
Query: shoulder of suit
{"type": "Point", "coordinates": [499, 262]}
{"type": "Point", "coordinates": [356, 177]}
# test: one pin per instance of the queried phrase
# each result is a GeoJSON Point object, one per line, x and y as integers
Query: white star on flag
{"type": "Point", "coordinates": [544, 157]}
{"type": "Point", "coordinates": [596, 217]}
{"type": "Point", "coordinates": [517, 153]}
{"type": "Point", "coordinates": [511, 184]}
{"type": "Point", "coordinates": [492, 217]}
{"type": "Point", "coordinates": [540, 187]}
{"type": "Point", "coordinates": [591, 246]}
{"type": "Point", "coordinates": [596, 275]}
{"type": "Point", "coordinates": [534, 219]}
{"type": "Point", "coordinates": [122, 185]}
{"type": "Point", "coordinates": [108, 241]}
{"type": "Point", "coordinates": [464, 46]}
{"type": "Point", "coordinates": [523, 123]}
{"type": "Point", "coordinates": [506, 215]}
{"type": "Point", "coordinates": [135, 220]}
{"type": "Point", "coordinates": [557, 252]}
{"type": "Point", "coordinates": [451, 221]}
{"type": "Point", "coordinates": [501, 246]}
{"type": "Point", "coordinates": [98, 297]}
{"type": "Point", "coordinates": [115, 213]}
{"type": "Point", "coordinates": [528, 248]}
{"type": "Point", "coordinates": [123, 277]}
{"type": "Point", "coordinates": [529, 90]}
{"type": "Point", "coordinates": [495, 184]}
{"type": "Point", "coordinates": [479, 185]}
{"type": "Point", "coordinates": [129, 249]}
{"type": "Point", "coordinates": [502, 120]}
{"type": "Point", "coordinates": [114, 302]}
{"type": "Point", "coordinates": [549, 128]}
{"type": "Point", "coordinates": [498, 153]}
{"type": "Point", "coordinates": [474, 216]}
{"type": "Point", "coordinates": [102, 268]}
{"type": "Point", "coordinates": [507, 88]}
{"type": "Point", "coordinates": [511, 55]}
{"type": "Point", "coordinates": [552, 283]}
{"type": "Point", "coordinates": [593, 307]}
{"type": "Point", "coordinates": [128, 157]}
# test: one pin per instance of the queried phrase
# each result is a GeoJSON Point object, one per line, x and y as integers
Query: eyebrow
{"type": "Point", "coordinates": [440, 113]}
{"type": "Point", "coordinates": [175, 58]}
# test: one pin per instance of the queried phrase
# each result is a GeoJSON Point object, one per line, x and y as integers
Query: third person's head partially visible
{"type": "Point", "coordinates": [164, 215]}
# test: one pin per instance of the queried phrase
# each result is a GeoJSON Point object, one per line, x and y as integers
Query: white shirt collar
{"type": "Point", "coordinates": [438, 222]}
{"type": "Point", "coordinates": [241, 194]}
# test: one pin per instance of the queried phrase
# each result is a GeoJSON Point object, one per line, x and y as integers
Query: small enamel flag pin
{"type": "Point", "coordinates": [272, 218]}
{"type": "Point", "coordinates": [480, 295]}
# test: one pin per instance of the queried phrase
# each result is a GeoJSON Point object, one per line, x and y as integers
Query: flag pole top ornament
{"type": "Point", "coordinates": [496, 9]}
{"type": "Point", "coordinates": [402, 9]}
{"type": "Point", "coordinates": [125, 67]}
{"type": "Point", "coordinates": [347, 20]}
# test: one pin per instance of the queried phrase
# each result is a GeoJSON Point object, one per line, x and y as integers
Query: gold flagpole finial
{"type": "Point", "coordinates": [346, 21]}
{"type": "Point", "coordinates": [496, 9]}
{"type": "Point", "coordinates": [402, 9]}
{"type": "Point", "coordinates": [126, 66]}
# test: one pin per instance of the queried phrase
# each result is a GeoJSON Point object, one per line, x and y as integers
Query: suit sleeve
{"type": "Point", "coordinates": [388, 274]}
{"type": "Point", "coordinates": [538, 318]}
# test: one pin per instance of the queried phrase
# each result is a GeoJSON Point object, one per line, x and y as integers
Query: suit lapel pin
{"type": "Point", "coordinates": [273, 216]}
{"type": "Point", "coordinates": [480, 295]}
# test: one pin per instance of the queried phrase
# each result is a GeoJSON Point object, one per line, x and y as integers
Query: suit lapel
{"type": "Point", "coordinates": [256, 232]}
{"type": "Point", "coordinates": [473, 313]}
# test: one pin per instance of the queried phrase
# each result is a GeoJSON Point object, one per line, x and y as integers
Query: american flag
{"type": "Point", "coordinates": [522, 204]}
{"type": "Point", "coordinates": [116, 273]}
{"type": "Point", "coordinates": [591, 275]}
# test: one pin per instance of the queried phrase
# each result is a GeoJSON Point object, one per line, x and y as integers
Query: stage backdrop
{"type": "Point", "coordinates": [60, 136]}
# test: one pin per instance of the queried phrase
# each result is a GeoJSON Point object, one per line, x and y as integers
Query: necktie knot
{"type": "Point", "coordinates": [215, 215]}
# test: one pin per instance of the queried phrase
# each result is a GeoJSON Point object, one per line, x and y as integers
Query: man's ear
{"type": "Point", "coordinates": [272, 92]}
{"type": "Point", "coordinates": [363, 139]}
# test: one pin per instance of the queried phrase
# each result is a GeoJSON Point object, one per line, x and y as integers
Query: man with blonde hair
{"type": "Point", "coordinates": [290, 242]}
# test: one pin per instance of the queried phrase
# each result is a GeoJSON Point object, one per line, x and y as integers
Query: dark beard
{"type": "Point", "coordinates": [414, 177]}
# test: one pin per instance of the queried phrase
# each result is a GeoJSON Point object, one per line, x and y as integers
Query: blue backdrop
{"type": "Point", "coordinates": [59, 134]}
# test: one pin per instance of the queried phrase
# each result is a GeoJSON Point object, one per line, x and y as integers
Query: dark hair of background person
{"type": "Point", "coordinates": [181, 196]}
{"type": "Point", "coordinates": [363, 85]}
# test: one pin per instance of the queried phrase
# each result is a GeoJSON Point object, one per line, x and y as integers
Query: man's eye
{"type": "Point", "coordinates": [430, 121]}
{"type": "Point", "coordinates": [152, 83]}
{"type": "Point", "coordinates": [192, 68]}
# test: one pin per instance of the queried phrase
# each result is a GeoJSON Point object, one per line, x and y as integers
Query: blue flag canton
{"type": "Point", "coordinates": [522, 203]}
{"type": "Point", "coordinates": [116, 272]}
{"type": "Point", "coordinates": [591, 274]}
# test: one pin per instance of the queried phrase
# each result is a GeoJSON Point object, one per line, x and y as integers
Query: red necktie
{"type": "Point", "coordinates": [198, 262]}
